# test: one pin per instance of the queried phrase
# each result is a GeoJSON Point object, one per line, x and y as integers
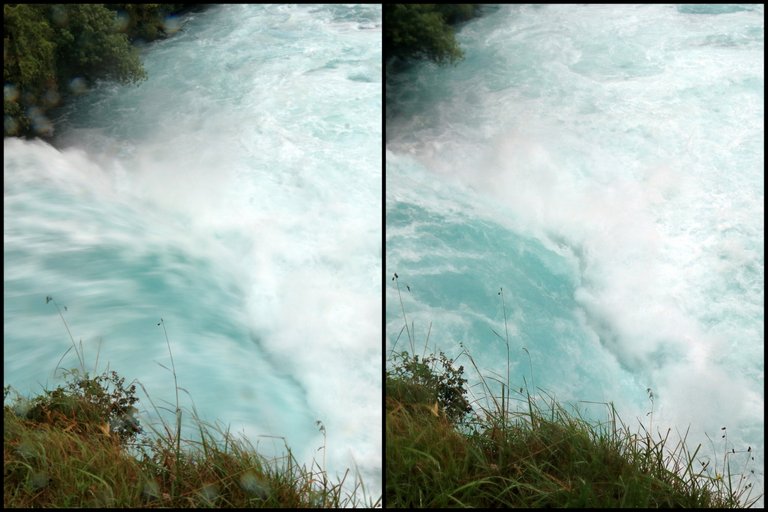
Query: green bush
{"type": "Point", "coordinates": [89, 45]}
{"type": "Point", "coordinates": [145, 21]}
{"type": "Point", "coordinates": [428, 380]}
{"type": "Point", "coordinates": [423, 31]}
{"type": "Point", "coordinates": [48, 46]}
{"type": "Point", "coordinates": [87, 401]}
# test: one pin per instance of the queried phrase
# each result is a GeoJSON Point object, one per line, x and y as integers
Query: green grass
{"type": "Point", "coordinates": [520, 450]}
{"type": "Point", "coordinates": [80, 445]}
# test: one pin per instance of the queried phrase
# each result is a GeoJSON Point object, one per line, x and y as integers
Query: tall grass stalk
{"type": "Point", "coordinates": [178, 413]}
{"type": "Point", "coordinates": [402, 308]}
{"type": "Point", "coordinates": [80, 353]}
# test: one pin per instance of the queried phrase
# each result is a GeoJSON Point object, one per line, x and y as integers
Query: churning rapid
{"type": "Point", "coordinates": [236, 194]}
{"type": "Point", "coordinates": [603, 166]}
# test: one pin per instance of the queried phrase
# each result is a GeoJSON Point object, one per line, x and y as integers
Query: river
{"type": "Point", "coordinates": [236, 195]}
{"type": "Point", "coordinates": [595, 175]}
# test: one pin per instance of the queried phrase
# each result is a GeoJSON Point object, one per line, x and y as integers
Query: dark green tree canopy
{"type": "Point", "coordinates": [89, 45]}
{"type": "Point", "coordinates": [423, 31]}
{"type": "Point", "coordinates": [48, 46]}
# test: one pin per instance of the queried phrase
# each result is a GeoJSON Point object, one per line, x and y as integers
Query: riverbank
{"type": "Point", "coordinates": [447, 447]}
{"type": "Point", "coordinates": [81, 445]}
{"type": "Point", "coordinates": [533, 454]}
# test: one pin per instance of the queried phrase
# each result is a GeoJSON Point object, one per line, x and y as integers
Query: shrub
{"type": "Point", "coordinates": [429, 380]}
{"type": "Point", "coordinates": [422, 30]}
{"type": "Point", "coordinates": [84, 402]}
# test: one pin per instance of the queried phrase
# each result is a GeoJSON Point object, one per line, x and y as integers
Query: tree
{"type": "Point", "coordinates": [145, 21]}
{"type": "Point", "coordinates": [28, 63]}
{"type": "Point", "coordinates": [423, 31]}
{"type": "Point", "coordinates": [46, 46]}
{"type": "Point", "coordinates": [89, 45]}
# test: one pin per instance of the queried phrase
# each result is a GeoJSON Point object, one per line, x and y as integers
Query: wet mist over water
{"type": "Point", "coordinates": [236, 194]}
{"type": "Point", "coordinates": [604, 166]}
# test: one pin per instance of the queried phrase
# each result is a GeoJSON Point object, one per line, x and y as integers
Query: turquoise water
{"type": "Point", "coordinates": [603, 166]}
{"type": "Point", "coordinates": [236, 194]}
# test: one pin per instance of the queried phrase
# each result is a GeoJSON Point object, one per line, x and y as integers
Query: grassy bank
{"type": "Point", "coordinates": [82, 445]}
{"type": "Point", "coordinates": [514, 449]}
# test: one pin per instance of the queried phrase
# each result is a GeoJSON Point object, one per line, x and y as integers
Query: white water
{"type": "Point", "coordinates": [604, 166]}
{"type": "Point", "coordinates": [236, 194]}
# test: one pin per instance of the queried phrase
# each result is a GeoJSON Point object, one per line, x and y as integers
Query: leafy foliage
{"type": "Point", "coordinates": [28, 63]}
{"type": "Point", "coordinates": [145, 21]}
{"type": "Point", "coordinates": [89, 45]}
{"type": "Point", "coordinates": [423, 31]}
{"type": "Point", "coordinates": [112, 403]}
{"type": "Point", "coordinates": [428, 380]}
{"type": "Point", "coordinates": [47, 46]}
{"type": "Point", "coordinates": [456, 13]}
{"type": "Point", "coordinates": [28, 45]}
